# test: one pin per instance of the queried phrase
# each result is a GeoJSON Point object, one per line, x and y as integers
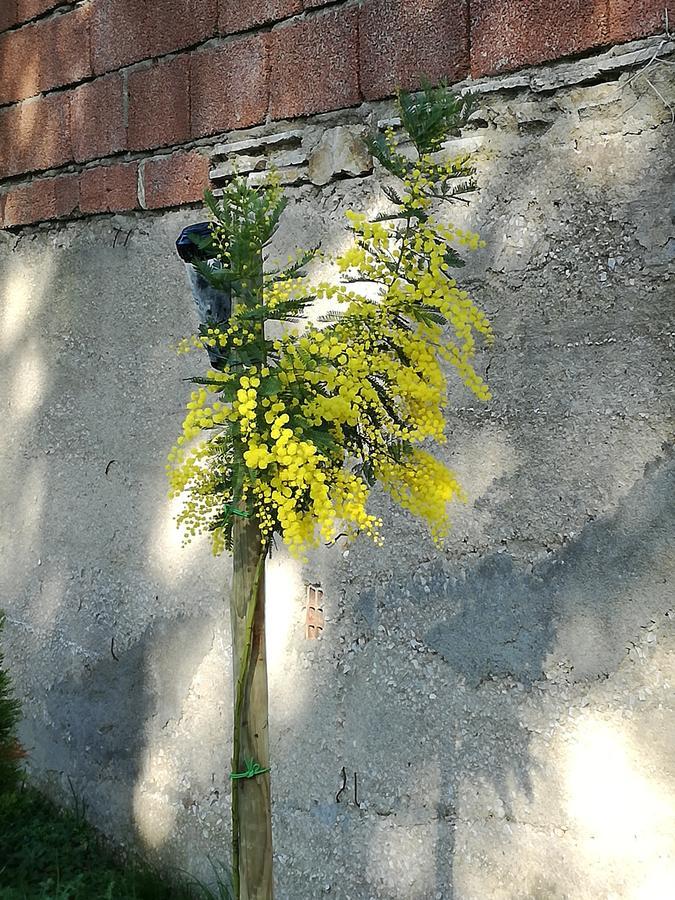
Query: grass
{"type": "Point", "coordinates": [52, 854]}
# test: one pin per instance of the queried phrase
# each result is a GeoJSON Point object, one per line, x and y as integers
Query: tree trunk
{"type": "Point", "coordinates": [251, 802]}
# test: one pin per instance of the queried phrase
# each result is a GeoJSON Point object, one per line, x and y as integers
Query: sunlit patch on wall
{"type": "Point", "coordinates": [154, 816]}
{"type": "Point", "coordinates": [15, 303]}
{"type": "Point", "coordinates": [169, 554]}
{"type": "Point", "coordinates": [28, 383]}
{"type": "Point", "coordinates": [283, 589]}
{"type": "Point", "coordinates": [20, 298]}
{"type": "Point", "coordinates": [625, 813]}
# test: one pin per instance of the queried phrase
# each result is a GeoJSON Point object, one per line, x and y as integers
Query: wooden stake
{"type": "Point", "coordinates": [251, 799]}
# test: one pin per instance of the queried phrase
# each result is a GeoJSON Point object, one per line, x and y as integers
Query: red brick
{"type": "Point", "coordinates": [97, 118]}
{"type": "Point", "coordinates": [8, 14]}
{"type": "Point", "coordinates": [508, 34]}
{"type": "Point", "coordinates": [230, 85]}
{"type": "Point", "coordinates": [236, 15]}
{"type": "Point", "coordinates": [175, 180]}
{"type": "Point", "coordinates": [126, 31]}
{"type": "Point", "coordinates": [46, 55]}
{"type": "Point", "coordinates": [29, 9]}
{"type": "Point", "coordinates": [631, 19]}
{"type": "Point", "coordinates": [35, 135]}
{"type": "Point", "coordinates": [159, 104]}
{"type": "Point", "coordinates": [109, 188]}
{"type": "Point", "coordinates": [315, 64]}
{"type": "Point", "coordinates": [405, 42]}
{"type": "Point", "coordinates": [42, 199]}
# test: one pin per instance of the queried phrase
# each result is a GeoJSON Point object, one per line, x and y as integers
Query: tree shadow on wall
{"type": "Point", "coordinates": [105, 643]}
{"type": "Point", "coordinates": [508, 620]}
{"type": "Point", "coordinates": [572, 617]}
{"type": "Point", "coordinates": [502, 625]}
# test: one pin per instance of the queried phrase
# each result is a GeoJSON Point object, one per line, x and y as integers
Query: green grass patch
{"type": "Point", "coordinates": [52, 854]}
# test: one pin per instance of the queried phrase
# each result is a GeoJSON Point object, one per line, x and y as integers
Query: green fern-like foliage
{"type": "Point", "coordinates": [9, 716]}
{"type": "Point", "coordinates": [428, 119]}
{"type": "Point", "coordinates": [432, 115]}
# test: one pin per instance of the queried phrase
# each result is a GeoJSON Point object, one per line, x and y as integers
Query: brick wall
{"type": "Point", "coordinates": [108, 105]}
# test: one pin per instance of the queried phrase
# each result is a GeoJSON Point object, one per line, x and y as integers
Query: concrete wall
{"type": "Point", "coordinates": [506, 703]}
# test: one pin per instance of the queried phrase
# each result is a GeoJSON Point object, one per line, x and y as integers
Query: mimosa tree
{"type": "Point", "coordinates": [288, 435]}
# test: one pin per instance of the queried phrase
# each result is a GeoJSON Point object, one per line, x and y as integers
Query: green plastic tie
{"type": "Point", "coordinates": [252, 769]}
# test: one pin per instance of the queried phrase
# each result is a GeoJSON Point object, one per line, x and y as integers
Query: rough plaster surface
{"type": "Point", "coordinates": [507, 703]}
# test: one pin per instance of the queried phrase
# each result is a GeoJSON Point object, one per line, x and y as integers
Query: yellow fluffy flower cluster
{"type": "Point", "coordinates": [296, 430]}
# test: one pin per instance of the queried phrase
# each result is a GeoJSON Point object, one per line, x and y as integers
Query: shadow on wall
{"type": "Point", "coordinates": [105, 636]}
{"type": "Point", "coordinates": [568, 562]}
{"type": "Point", "coordinates": [517, 765]}
{"type": "Point", "coordinates": [508, 620]}
{"type": "Point", "coordinates": [119, 636]}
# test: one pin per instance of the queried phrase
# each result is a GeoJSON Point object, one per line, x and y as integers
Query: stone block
{"type": "Point", "coordinates": [230, 85]}
{"type": "Point", "coordinates": [8, 14]}
{"type": "Point", "coordinates": [341, 151]}
{"type": "Point", "coordinates": [30, 9]}
{"type": "Point", "coordinates": [109, 188]}
{"type": "Point", "coordinates": [174, 180]}
{"type": "Point", "coordinates": [45, 55]}
{"type": "Point", "coordinates": [239, 165]}
{"type": "Point", "coordinates": [42, 199]}
{"type": "Point", "coordinates": [35, 135]}
{"type": "Point", "coordinates": [405, 42]}
{"type": "Point", "coordinates": [159, 104]}
{"type": "Point", "coordinates": [314, 64]}
{"type": "Point", "coordinates": [288, 175]}
{"type": "Point", "coordinates": [237, 16]}
{"type": "Point", "coordinates": [124, 32]}
{"type": "Point", "coordinates": [631, 19]}
{"type": "Point", "coordinates": [97, 118]}
{"type": "Point", "coordinates": [507, 34]}
{"type": "Point", "coordinates": [260, 143]}
{"type": "Point", "coordinates": [286, 158]}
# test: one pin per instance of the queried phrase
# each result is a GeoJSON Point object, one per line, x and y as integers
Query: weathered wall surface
{"type": "Point", "coordinates": [507, 703]}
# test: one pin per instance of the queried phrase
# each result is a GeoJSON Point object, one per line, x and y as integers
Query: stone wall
{"type": "Point", "coordinates": [113, 105]}
{"type": "Point", "coordinates": [500, 712]}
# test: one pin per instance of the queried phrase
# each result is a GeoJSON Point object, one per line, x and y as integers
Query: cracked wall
{"type": "Point", "coordinates": [506, 704]}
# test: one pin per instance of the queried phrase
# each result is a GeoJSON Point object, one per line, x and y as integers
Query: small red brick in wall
{"type": "Point", "coordinates": [48, 54]}
{"type": "Point", "coordinates": [315, 64]}
{"type": "Point", "coordinates": [630, 19]}
{"type": "Point", "coordinates": [126, 31]}
{"type": "Point", "coordinates": [236, 15]}
{"type": "Point", "coordinates": [230, 85]}
{"type": "Point", "coordinates": [97, 118]}
{"type": "Point", "coordinates": [42, 199]}
{"type": "Point", "coordinates": [508, 34]}
{"type": "Point", "coordinates": [34, 135]}
{"type": "Point", "coordinates": [175, 180]}
{"type": "Point", "coordinates": [109, 188]}
{"type": "Point", "coordinates": [8, 14]}
{"type": "Point", "coordinates": [159, 104]}
{"type": "Point", "coordinates": [405, 42]}
{"type": "Point", "coordinates": [29, 9]}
